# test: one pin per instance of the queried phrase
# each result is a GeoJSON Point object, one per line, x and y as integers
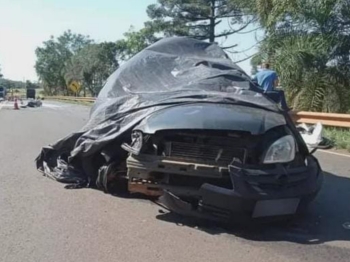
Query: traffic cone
{"type": "Point", "coordinates": [16, 105]}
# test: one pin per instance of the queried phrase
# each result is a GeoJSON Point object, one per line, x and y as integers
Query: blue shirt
{"type": "Point", "coordinates": [266, 79]}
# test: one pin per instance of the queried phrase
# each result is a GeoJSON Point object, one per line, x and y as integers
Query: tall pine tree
{"type": "Point", "coordinates": [199, 19]}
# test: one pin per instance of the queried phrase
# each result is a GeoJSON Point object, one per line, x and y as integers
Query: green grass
{"type": "Point", "coordinates": [339, 136]}
{"type": "Point", "coordinates": [73, 102]}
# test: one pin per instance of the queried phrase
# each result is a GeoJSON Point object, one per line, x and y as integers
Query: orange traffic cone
{"type": "Point", "coordinates": [16, 105]}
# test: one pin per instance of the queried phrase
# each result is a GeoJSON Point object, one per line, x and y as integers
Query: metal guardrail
{"type": "Point", "coordinates": [327, 119]}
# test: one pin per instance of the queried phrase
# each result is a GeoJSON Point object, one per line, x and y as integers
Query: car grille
{"type": "Point", "coordinates": [214, 151]}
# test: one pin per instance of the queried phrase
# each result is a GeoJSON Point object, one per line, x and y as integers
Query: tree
{"type": "Point", "coordinates": [92, 65]}
{"type": "Point", "coordinates": [11, 83]}
{"type": "Point", "coordinates": [134, 42]}
{"type": "Point", "coordinates": [53, 56]}
{"type": "Point", "coordinates": [308, 43]}
{"type": "Point", "coordinates": [0, 73]}
{"type": "Point", "coordinates": [30, 85]}
{"type": "Point", "coordinates": [197, 18]}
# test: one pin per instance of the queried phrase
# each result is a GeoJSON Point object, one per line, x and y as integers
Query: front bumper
{"type": "Point", "coordinates": [257, 193]}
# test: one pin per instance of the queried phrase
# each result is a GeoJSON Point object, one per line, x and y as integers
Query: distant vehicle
{"type": "Point", "coordinates": [34, 103]}
{"type": "Point", "coordinates": [3, 92]}
{"type": "Point", "coordinates": [31, 93]}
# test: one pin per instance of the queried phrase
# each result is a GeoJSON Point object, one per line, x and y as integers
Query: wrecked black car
{"type": "Point", "coordinates": [34, 103]}
{"type": "Point", "coordinates": [181, 122]}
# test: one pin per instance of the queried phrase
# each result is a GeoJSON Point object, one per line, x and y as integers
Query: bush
{"type": "Point", "coordinates": [339, 136]}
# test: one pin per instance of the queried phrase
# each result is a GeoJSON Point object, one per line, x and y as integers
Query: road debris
{"type": "Point", "coordinates": [313, 136]}
{"type": "Point", "coordinates": [34, 103]}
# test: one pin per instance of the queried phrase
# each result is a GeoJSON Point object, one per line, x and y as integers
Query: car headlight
{"type": "Point", "coordinates": [281, 151]}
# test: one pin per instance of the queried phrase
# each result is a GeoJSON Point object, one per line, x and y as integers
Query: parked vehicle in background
{"type": "Point", "coordinates": [31, 92]}
{"type": "Point", "coordinates": [3, 92]}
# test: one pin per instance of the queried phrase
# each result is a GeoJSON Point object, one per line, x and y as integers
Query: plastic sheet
{"type": "Point", "coordinates": [312, 136]}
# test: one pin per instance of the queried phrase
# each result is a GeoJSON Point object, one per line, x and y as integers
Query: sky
{"type": "Point", "coordinates": [25, 24]}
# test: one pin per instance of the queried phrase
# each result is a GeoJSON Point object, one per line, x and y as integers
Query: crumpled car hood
{"type": "Point", "coordinates": [208, 116]}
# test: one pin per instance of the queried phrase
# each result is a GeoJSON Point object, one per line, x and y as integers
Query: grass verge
{"type": "Point", "coordinates": [72, 102]}
{"type": "Point", "coordinates": [340, 137]}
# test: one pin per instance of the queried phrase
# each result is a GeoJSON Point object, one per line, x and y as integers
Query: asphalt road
{"type": "Point", "coordinates": [42, 221]}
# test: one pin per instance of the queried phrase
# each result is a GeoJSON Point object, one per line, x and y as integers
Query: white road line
{"type": "Point", "coordinates": [333, 153]}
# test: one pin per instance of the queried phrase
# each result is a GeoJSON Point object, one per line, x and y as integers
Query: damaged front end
{"type": "Point", "coordinates": [204, 138]}
{"type": "Point", "coordinates": [221, 162]}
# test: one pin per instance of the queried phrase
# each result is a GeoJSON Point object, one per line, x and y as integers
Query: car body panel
{"type": "Point", "coordinates": [209, 116]}
{"type": "Point", "coordinates": [247, 202]}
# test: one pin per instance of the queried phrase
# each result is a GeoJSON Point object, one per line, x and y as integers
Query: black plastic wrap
{"type": "Point", "coordinates": [171, 72]}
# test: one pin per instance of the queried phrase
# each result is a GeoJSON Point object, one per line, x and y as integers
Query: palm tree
{"type": "Point", "coordinates": [308, 44]}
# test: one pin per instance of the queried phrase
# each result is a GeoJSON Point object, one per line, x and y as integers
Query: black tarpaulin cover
{"type": "Point", "coordinates": [171, 72]}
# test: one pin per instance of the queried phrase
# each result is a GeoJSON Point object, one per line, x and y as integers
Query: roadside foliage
{"type": "Point", "coordinates": [306, 42]}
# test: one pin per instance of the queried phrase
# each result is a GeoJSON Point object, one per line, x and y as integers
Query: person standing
{"type": "Point", "coordinates": [268, 80]}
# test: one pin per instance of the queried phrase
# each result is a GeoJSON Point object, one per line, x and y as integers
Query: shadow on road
{"type": "Point", "coordinates": [324, 221]}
